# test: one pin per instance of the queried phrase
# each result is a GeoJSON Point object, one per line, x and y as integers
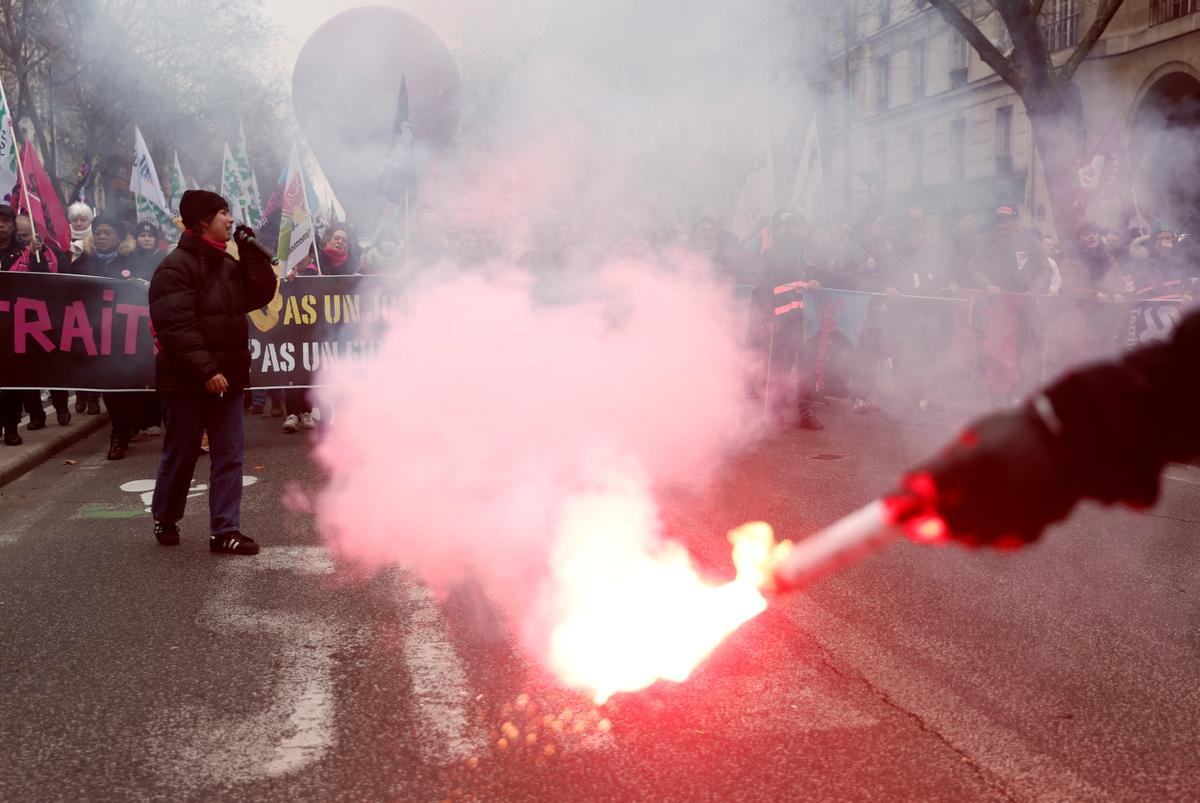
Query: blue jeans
{"type": "Point", "coordinates": [187, 418]}
{"type": "Point", "coordinates": [260, 396]}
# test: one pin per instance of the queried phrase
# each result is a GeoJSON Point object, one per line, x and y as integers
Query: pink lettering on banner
{"type": "Point", "coordinates": [77, 325]}
{"type": "Point", "coordinates": [23, 328]}
{"type": "Point", "coordinates": [133, 313]}
{"type": "Point", "coordinates": [106, 324]}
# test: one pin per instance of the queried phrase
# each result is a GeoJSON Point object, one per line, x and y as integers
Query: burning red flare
{"type": "Point", "coordinates": [632, 609]}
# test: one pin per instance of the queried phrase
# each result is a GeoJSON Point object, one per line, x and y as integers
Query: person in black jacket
{"type": "Point", "coordinates": [1104, 432]}
{"type": "Point", "coordinates": [199, 298]}
{"type": "Point", "coordinates": [149, 253]}
{"type": "Point", "coordinates": [109, 253]}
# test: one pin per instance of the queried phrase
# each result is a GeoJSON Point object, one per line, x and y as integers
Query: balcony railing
{"type": "Point", "coordinates": [1166, 10]}
{"type": "Point", "coordinates": [1060, 25]}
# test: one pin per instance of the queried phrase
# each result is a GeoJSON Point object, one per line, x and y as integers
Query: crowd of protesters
{"type": "Point", "coordinates": [909, 254]}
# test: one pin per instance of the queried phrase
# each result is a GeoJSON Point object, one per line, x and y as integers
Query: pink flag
{"type": "Point", "coordinates": [1103, 174]}
{"type": "Point", "coordinates": [45, 209]}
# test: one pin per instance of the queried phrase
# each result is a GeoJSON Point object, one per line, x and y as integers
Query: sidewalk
{"type": "Point", "coordinates": [42, 444]}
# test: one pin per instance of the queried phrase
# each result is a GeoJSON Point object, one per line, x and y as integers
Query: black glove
{"type": "Point", "coordinates": [1001, 482]}
{"type": "Point", "coordinates": [242, 235]}
{"type": "Point", "coordinates": [247, 240]}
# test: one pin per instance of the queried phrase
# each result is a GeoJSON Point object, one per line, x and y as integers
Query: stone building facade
{"type": "Point", "coordinates": [912, 116]}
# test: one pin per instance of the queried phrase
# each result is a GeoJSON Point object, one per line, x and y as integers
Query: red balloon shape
{"type": "Point", "coordinates": [346, 88]}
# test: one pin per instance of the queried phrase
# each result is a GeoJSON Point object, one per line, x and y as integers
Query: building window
{"type": "Point", "coordinates": [958, 149]}
{"type": "Point", "coordinates": [916, 68]}
{"type": "Point", "coordinates": [1003, 40]}
{"type": "Point", "coordinates": [1004, 140]}
{"type": "Point", "coordinates": [883, 79]}
{"type": "Point", "coordinates": [1060, 24]}
{"type": "Point", "coordinates": [960, 50]}
{"type": "Point", "coordinates": [916, 145]}
{"type": "Point", "coordinates": [1166, 10]}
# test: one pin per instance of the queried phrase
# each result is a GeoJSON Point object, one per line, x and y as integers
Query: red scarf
{"type": "Point", "coordinates": [220, 246]}
{"type": "Point", "coordinates": [334, 257]}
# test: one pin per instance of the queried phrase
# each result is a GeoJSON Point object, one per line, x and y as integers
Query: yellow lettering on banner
{"type": "Point", "coordinates": [333, 309]}
{"type": "Point", "coordinates": [353, 308]}
{"type": "Point", "coordinates": [292, 313]}
{"type": "Point", "coordinates": [309, 304]}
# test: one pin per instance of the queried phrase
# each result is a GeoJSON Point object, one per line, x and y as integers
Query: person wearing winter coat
{"type": "Point", "coordinates": [1155, 268]}
{"type": "Point", "coordinates": [79, 217]}
{"type": "Point", "coordinates": [199, 298]}
{"type": "Point", "coordinates": [109, 253]}
{"type": "Point", "coordinates": [1090, 269]}
{"type": "Point", "coordinates": [149, 251]}
{"type": "Point", "coordinates": [10, 251]}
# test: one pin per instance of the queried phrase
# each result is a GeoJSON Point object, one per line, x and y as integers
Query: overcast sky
{"type": "Point", "coordinates": [299, 18]}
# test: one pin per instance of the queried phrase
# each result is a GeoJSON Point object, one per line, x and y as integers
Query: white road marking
{"type": "Point", "coordinates": [195, 490]}
{"type": "Point", "coordinates": [296, 728]}
{"type": "Point", "coordinates": [440, 693]}
{"type": "Point", "coordinates": [998, 751]}
{"type": "Point", "coordinates": [1188, 474]}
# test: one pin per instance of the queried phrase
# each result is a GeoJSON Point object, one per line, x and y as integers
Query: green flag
{"type": "Point", "coordinates": [8, 151]}
{"type": "Point", "coordinates": [233, 190]}
{"type": "Point", "coordinates": [246, 175]}
{"type": "Point", "coordinates": [178, 184]}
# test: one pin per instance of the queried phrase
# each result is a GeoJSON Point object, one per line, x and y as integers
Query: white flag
{"type": "Point", "coordinates": [8, 150]}
{"type": "Point", "coordinates": [246, 177]}
{"type": "Point", "coordinates": [143, 178]}
{"type": "Point", "coordinates": [178, 184]}
{"type": "Point", "coordinates": [143, 183]}
{"type": "Point", "coordinates": [295, 222]}
{"type": "Point", "coordinates": [757, 199]}
{"type": "Point", "coordinates": [808, 193]}
{"type": "Point", "coordinates": [233, 189]}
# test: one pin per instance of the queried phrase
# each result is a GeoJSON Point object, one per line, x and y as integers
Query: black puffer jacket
{"type": "Point", "coordinates": [199, 298]}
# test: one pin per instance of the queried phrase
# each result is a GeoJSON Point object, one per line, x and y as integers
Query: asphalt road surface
{"type": "Point", "coordinates": [128, 671]}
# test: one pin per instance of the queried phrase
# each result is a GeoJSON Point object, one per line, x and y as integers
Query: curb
{"type": "Point", "coordinates": [30, 456]}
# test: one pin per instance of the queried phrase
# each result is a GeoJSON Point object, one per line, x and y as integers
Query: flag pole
{"type": "Point", "coordinates": [25, 191]}
{"type": "Point", "coordinates": [312, 221]}
{"type": "Point", "coordinates": [407, 231]}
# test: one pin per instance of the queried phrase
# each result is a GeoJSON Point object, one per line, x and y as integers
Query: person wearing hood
{"type": "Point", "coordinates": [109, 251]}
{"type": "Point", "coordinates": [79, 216]}
{"type": "Point", "coordinates": [199, 299]}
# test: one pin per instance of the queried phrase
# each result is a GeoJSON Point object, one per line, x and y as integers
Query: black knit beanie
{"type": "Point", "coordinates": [196, 205]}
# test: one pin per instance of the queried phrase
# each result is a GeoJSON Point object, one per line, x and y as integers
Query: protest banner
{"type": "Point", "coordinates": [86, 333]}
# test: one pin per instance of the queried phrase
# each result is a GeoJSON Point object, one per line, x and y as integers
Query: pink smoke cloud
{"type": "Point", "coordinates": [458, 451]}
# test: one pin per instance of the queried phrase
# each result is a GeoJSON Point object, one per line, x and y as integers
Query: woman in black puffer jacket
{"type": "Point", "coordinates": [199, 298]}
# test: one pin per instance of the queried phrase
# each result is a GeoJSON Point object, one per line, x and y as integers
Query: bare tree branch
{"type": "Point", "coordinates": [1104, 15]}
{"type": "Point", "coordinates": [983, 46]}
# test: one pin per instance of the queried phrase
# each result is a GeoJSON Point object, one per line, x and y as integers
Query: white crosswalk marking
{"type": "Point", "coordinates": [296, 728]}
{"type": "Point", "coordinates": [440, 693]}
